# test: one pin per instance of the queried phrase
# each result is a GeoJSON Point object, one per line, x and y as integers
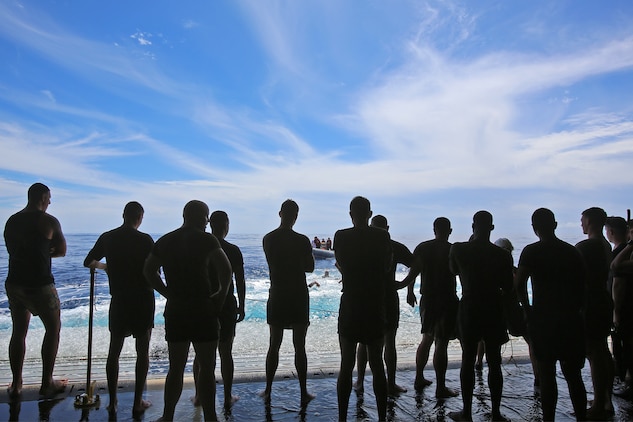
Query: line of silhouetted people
{"type": "Point", "coordinates": [580, 295]}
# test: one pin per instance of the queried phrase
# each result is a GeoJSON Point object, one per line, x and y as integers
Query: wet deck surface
{"type": "Point", "coordinates": [518, 403]}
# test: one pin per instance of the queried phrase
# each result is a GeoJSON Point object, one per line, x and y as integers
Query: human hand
{"type": "Point", "coordinates": [411, 299]}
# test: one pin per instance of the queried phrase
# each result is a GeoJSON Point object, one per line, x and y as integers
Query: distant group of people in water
{"type": "Point", "coordinates": [322, 243]}
{"type": "Point", "coordinates": [581, 295]}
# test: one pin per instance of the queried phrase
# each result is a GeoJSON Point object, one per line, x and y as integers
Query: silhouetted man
{"type": "Point", "coordinates": [554, 319]}
{"type": "Point", "coordinates": [289, 257]}
{"type": "Point", "coordinates": [622, 272]}
{"type": "Point", "coordinates": [132, 305]}
{"type": "Point", "coordinates": [438, 305]}
{"type": "Point", "coordinates": [32, 238]}
{"type": "Point", "coordinates": [596, 253]}
{"type": "Point", "coordinates": [485, 272]}
{"type": "Point", "coordinates": [401, 255]}
{"type": "Point", "coordinates": [188, 255]}
{"type": "Point", "coordinates": [364, 257]}
{"type": "Point", "coordinates": [232, 311]}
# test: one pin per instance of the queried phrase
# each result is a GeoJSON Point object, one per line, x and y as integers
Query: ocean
{"type": "Point", "coordinates": [251, 341]}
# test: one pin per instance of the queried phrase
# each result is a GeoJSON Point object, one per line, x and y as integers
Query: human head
{"type": "Point", "coordinates": [543, 221]}
{"type": "Point", "coordinates": [288, 212]}
{"type": "Point", "coordinates": [504, 243]}
{"type": "Point", "coordinates": [594, 218]}
{"type": "Point", "coordinates": [289, 208]}
{"type": "Point", "coordinates": [442, 227]}
{"type": "Point", "coordinates": [39, 195]}
{"type": "Point", "coordinates": [133, 213]}
{"type": "Point", "coordinates": [380, 221]}
{"type": "Point", "coordinates": [483, 220]}
{"type": "Point", "coordinates": [616, 229]}
{"type": "Point", "coordinates": [196, 214]}
{"type": "Point", "coordinates": [360, 210]}
{"type": "Point", "coordinates": [219, 221]}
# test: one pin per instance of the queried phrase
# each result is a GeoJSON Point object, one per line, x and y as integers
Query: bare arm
{"type": "Point", "coordinates": [54, 233]}
{"type": "Point", "coordinates": [222, 266]}
{"type": "Point", "coordinates": [622, 264]}
{"type": "Point", "coordinates": [309, 262]}
{"type": "Point", "coordinates": [409, 280]}
{"type": "Point", "coordinates": [150, 271]}
{"type": "Point", "coordinates": [520, 284]}
{"type": "Point", "coordinates": [93, 263]}
{"type": "Point", "coordinates": [240, 286]}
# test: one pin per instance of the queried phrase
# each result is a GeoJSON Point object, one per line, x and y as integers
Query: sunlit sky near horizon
{"type": "Point", "coordinates": [427, 108]}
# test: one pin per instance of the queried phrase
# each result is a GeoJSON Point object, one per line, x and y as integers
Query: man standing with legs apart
{"type": "Point", "coordinates": [32, 238]}
{"type": "Point", "coordinates": [401, 255]}
{"type": "Point", "coordinates": [485, 272]}
{"type": "Point", "coordinates": [188, 255]}
{"type": "Point", "coordinates": [289, 257]}
{"type": "Point", "coordinates": [438, 305]}
{"type": "Point", "coordinates": [555, 321]}
{"type": "Point", "coordinates": [132, 305]}
{"type": "Point", "coordinates": [596, 252]}
{"type": "Point", "coordinates": [364, 257]}
{"type": "Point", "coordinates": [232, 311]}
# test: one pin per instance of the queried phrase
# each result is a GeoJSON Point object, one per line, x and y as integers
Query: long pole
{"type": "Point", "coordinates": [90, 316]}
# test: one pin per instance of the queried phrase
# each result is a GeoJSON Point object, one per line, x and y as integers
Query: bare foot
{"type": "Point", "coordinates": [499, 417]}
{"type": "Point", "coordinates": [112, 407]}
{"type": "Point", "coordinates": [14, 391]}
{"type": "Point", "coordinates": [395, 390]}
{"type": "Point", "coordinates": [594, 414]}
{"type": "Point", "coordinates": [445, 393]}
{"type": "Point", "coordinates": [138, 410]}
{"type": "Point", "coordinates": [307, 398]}
{"type": "Point", "coordinates": [195, 401]}
{"type": "Point", "coordinates": [231, 401]}
{"type": "Point", "coordinates": [460, 416]}
{"type": "Point", "coordinates": [420, 384]}
{"type": "Point", "coordinates": [58, 386]}
{"type": "Point", "coordinates": [265, 395]}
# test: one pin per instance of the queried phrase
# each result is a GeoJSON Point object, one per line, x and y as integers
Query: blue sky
{"type": "Point", "coordinates": [427, 108]}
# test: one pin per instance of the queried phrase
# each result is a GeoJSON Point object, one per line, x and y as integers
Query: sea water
{"type": "Point", "coordinates": [251, 342]}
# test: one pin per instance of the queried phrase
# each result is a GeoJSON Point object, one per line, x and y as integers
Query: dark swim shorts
{"type": "Point", "coordinates": [190, 325]}
{"type": "Point", "coordinates": [228, 319]}
{"type": "Point", "coordinates": [131, 314]}
{"type": "Point", "coordinates": [36, 300]}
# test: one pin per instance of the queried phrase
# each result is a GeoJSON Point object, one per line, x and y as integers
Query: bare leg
{"type": "Point", "coordinates": [481, 349]}
{"type": "Point", "coordinates": [361, 366]}
{"type": "Point", "coordinates": [344, 381]}
{"type": "Point", "coordinates": [577, 391]}
{"type": "Point", "coordinates": [206, 355]}
{"type": "Point", "coordinates": [391, 360]}
{"type": "Point", "coordinates": [272, 358]}
{"type": "Point", "coordinates": [602, 372]}
{"type": "Point", "coordinates": [52, 325]}
{"type": "Point", "coordinates": [17, 348]}
{"type": "Point", "coordinates": [440, 363]}
{"type": "Point", "coordinates": [142, 366]}
{"type": "Point", "coordinates": [227, 368]}
{"type": "Point", "coordinates": [374, 355]}
{"type": "Point", "coordinates": [421, 358]}
{"type": "Point", "coordinates": [178, 353]}
{"type": "Point", "coordinates": [301, 360]}
{"type": "Point", "coordinates": [467, 381]}
{"type": "Point", "coordinates": [549, 390]}
{"type": "Point", "coordinates": [495, 379]}
{"type": "Point", "coordinates": [112, 370]}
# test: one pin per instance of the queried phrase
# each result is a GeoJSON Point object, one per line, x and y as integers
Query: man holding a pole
{"type": "Point", "coordinates": [132, 306]}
